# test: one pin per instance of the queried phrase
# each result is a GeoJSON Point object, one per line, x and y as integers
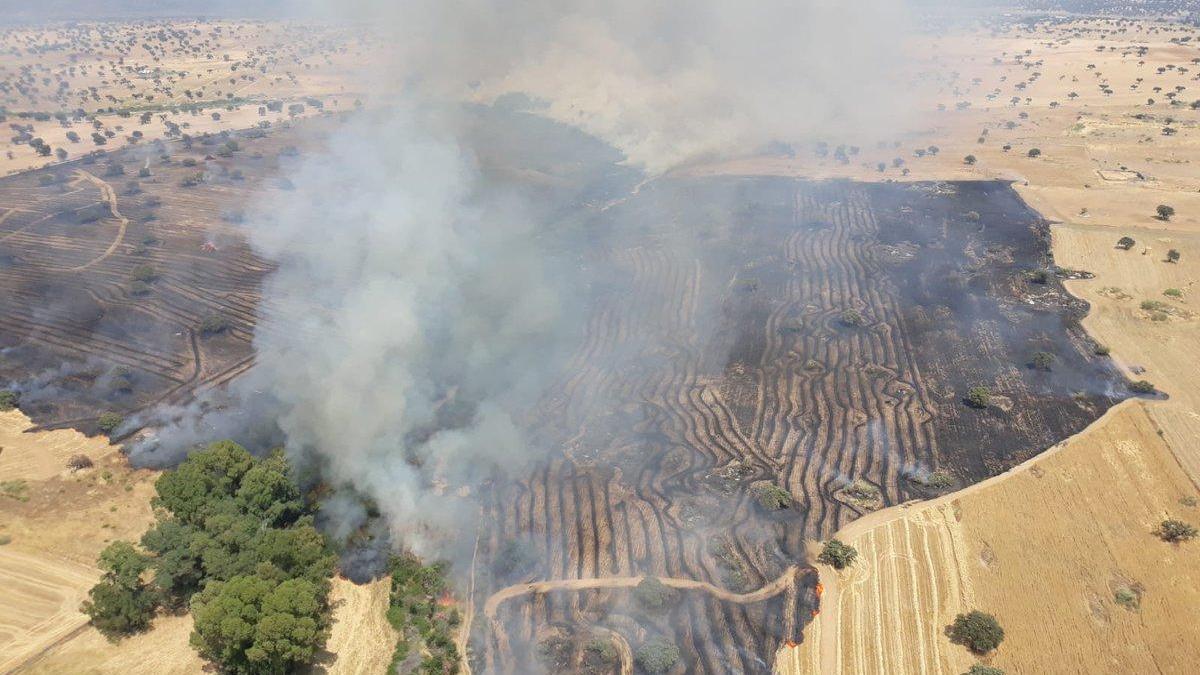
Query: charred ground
{"type": "Point", "coordinates": [817, 337]}
{"type": "Point", "coordinates": [740, 337]}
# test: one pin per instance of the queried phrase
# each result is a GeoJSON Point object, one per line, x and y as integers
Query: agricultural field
{"type": "Point", "coordinates": [922, 345]}
{"type": "Point", "coordinates": [989, 547]}
{"type": "Point", "coordinates": [822, 342]}
{"type": "Point", "coordinates": [127, 282]}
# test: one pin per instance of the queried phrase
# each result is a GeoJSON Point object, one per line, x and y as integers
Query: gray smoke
{"type": "Point", "coordinates": [416, 315]}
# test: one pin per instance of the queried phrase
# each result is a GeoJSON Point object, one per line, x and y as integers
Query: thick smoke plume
{"type": "Point", "coordinates": [415, 315]}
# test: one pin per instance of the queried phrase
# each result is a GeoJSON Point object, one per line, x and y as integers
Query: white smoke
{"type": "Point", "coordinates": [404, 289]}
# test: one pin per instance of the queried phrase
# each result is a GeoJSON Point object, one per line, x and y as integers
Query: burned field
{"type": "Point", "coordinates": [756, 362]}
{"type": "Point", "coordinates": [767, 360]}
{"type": "Point", "coordinates": [124, 280]}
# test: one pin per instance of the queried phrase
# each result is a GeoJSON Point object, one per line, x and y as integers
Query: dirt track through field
{"type": "Point", "coordinates": [109, 198]}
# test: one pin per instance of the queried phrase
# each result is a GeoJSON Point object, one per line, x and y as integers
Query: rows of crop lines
{"type": "Point", "coordinates": [850, 402]}
{"type": "Point", "coordinates": [73, 248]}
{"type": "Point", "coordinates": [644, 396]}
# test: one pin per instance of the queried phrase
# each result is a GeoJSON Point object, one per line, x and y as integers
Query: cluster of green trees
{"type": "Point", "coordinates": [420, 611]}
{"type": "Point", "coordinates": [234, 542]}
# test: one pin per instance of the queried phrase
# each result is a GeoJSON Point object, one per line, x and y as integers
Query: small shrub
{"type": "Point", "coordinates": [979, 397]}
{"type": "Point", "coordinates": [1173, 293]}
{"type": "Point", "coordinates": [770, 497]}
{"type": "Point", "coordinates": [600, 656]}
{"type": "Point", "coordinates": [213, 324]}
{"type": "Point", "coordinates": [657, 656]}
{"type": "Point", "coordinates": [1034, 153]}
{"type": "Point", "coordinates": [1042, 360]}
{"type": "Point", "coordinates": [144, 273]}
{"type": "Point", "coordinates": [1101, 350]}
{"type": "Point", "coordinates": [980, 669]}
{"type": "Point", "coordinates": [1129, 597]}
{"type": "Point", "coordinates": [851, 317]}
{"type": "Point", "coordinates": [977, 631]}
{"type": "Point", "coordinates": [969, 160]}
{"type": "Point", "coordinates": [5, 539]}
{"type": "Point", "coordinates": [1176, 531]}
{"type": "Point", "coordinates": [1173, 256]}
{"type": "Point", "coordinates": [9, 400]}
{"type": "Point", "coordinates": [79, 462]}
{"type": "Point", "coordinates": [1142, 387]}
{"type": "Point", "coordinates": [838, 554]}
{"type": "Point", "coordinates": [109, 422]}
{"type": "Point", "coordinates": [652, 594]}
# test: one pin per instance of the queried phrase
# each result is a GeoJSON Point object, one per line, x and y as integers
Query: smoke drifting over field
{"type": "Point", "coordinates": [415, 315]}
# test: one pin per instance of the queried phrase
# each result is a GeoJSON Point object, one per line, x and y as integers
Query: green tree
{"type": "Point", "coordinates": [980, 669]}
{"type": "Point", "coordinates": [178, 571]}
{"type": "Point", "coordinates": [197, 487]}
{"type": "Point", "coordinates": [977, 631]}
{"type": "Point", "coordinates": [250, 625]}
{"type": "Point", "coordinates": [979, 397]}
{"type": "Point", "coordinates": [109, 422]}
{"type": "Point", "coordinates": [8, 400]}
{"type": "Point", "coordinates": [657, 656]}
{"type": "Point", "coordinates": [838, 554]}
{"type": "Point", "coordinates": [1173, 256]}
{"type": "Point", "coordinates": [969, 160]}
{"type": "Point", "coordinates": [1125, 243]}
{"type": "Point", "coordinates": [1034, 153]}
{"type": "Point", "coordinates": [121, 603]}
{"type": "Point", "coordinates": [652, 594]}
{"type": "Point", "coordinates": [1165, 212]}
{"type": "Point", "coordinates": [1042, 360]}
{"type": "Point", "coordinates": [1175, 531]}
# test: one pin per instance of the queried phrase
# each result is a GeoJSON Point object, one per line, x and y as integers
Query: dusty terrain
{"type": "Point", "coordinates": [136, 82]}
{"type": "Point", "coordinates": [783, 390]}
{"type": "Point", "coordinates": [1044, 549]}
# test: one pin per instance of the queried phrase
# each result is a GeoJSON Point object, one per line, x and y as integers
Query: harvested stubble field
{"type": "Point", "coordinates": [737, 362]}
{"type": "Point", "coordinates": [1046, 549]}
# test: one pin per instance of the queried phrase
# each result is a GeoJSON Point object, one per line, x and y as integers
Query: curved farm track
{"type": "Point", "coordinates": [708, 367]}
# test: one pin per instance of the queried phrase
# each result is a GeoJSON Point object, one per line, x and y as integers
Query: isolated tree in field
{"type": "Point", "coordinates": [1042, 360]}
{"type": "Point", "coordinates": [1034, 153]}
{"type": "Point", "coordinates": [979, 397]}
{"type": "Point", "coordinates": [1176, 531]}
{"type": "Point", "coordinates": [969, 160]}
{"type": "Point", "coordinates": [1173, 256]}
{"type": "Point", "coordinates": [1165, 212]}
{"type": "Point", "coordinates": [121, 603]}
{"type": "Point", "coordinates": [652, 594]}
{"type": "Point", "coordinates": [1125, 243]}
{"type": "Point", "coordinates": [838, 554]}
{"type": "Point", "coordinates": [657, 656]}
{"type": "Point", "coordinates": [977, 631]}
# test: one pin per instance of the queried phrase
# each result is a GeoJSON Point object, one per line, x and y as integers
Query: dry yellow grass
{"type": "Point", "coordinates": [362, 640]}
{"type": "Point", "coordinates": [1044, 548]}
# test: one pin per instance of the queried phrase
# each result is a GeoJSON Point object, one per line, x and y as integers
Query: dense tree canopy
{"type": "Point", "coordinates": [235, 541]}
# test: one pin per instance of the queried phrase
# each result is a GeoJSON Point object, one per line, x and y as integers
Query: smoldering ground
{"type": "Point", "coordinates": [420, 307]}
